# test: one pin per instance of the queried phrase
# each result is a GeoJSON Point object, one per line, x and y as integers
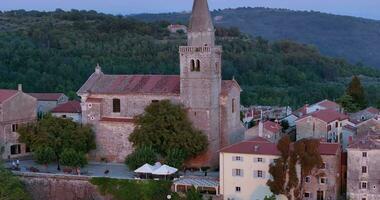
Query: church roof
{"type": "Point", "coordinates": [227, 85]}
{"type": "Point", "coordinates": [99, 83]}
{"type": "Point", "coordinates": [200, 20]}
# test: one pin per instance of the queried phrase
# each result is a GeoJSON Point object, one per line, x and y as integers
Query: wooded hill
{"type": "Point", "coordinates": [57, 51]}
{"type": "Point", "coordinates": [352, 38]}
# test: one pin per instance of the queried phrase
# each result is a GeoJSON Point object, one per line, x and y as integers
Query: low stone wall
{"type": "Point", "coordinates": [60, 187]}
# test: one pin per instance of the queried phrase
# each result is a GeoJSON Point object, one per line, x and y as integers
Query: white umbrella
{"type": "Point", "coordinates": [165, 170]}
{"type": "Point", "coordinates": [145, 169]}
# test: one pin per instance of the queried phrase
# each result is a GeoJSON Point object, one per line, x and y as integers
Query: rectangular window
{"type": "Point", "coordinates": [259, 159]}
{"type": "Point", "coordinates": [116, 105]}
{"type": "Point", "coordinates": [237, 158]}
{"type": "Point", "coordinates": [237, 189]}
{"type": "Point", "coordinates": [260, 174]}
{"type": "Point", "coordinates": [237, 172]}
{"type": "Point", "coordinates": [233, 105]}
{"type": "Point", "coordinates": [329, 128]}
{"type": "Point", "coordinates": [155, 101]}
{"type": "Point", "coordinates": [323, 166]}
{"type": "Point", "coordinates": [15, 149]}
{"type": "Point", "coordinates": [64, 116]}
{"type": "Point", "coordinates": [323, 180]}
{"type": "Point", "coordinates": [364, 154]}
{"type": "Point", "coordinates": [307, 179]}
{"type": "Point", "coordinates": [363, 185]}
{"type": "Point", "coordinates": [306, 195]}
{"type": "Point", "coordinates": [364, 169]}
{"type": "Point", "coordinates": [336, 124]}
{"type": "Point", "coordinates": [14, 128]}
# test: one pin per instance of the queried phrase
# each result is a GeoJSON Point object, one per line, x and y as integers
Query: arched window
{"type": "Point", "coordinates": [198, 68]}
{"type": "Point", "coordinates": [116, 105]}
{"type": "Point", "coordinates": [192, 65]}
{"type": "Point", "coordinates": [233, 105]}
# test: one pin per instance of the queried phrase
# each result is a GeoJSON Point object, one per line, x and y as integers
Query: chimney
{"type": "Point", "coordinates": [256, 148]}
{"type": "Point", "coordinates": [261, 128]}
{"type": "Point", "coordinates": [19, 87]}
{"type": "Point", "coordinates": [98, 69]}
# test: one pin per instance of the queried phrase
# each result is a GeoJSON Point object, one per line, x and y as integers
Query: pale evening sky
{"type": "Point", "coordinates": [359, 8]}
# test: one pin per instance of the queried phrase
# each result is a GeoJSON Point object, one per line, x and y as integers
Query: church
{"type": "Point", "coordinates": [111, 102]}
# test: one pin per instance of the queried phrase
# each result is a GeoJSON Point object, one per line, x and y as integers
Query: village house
{"type": "Point", "coordinates": [269, 130]}
{"type": "Point", "coordinates": [326, 125]}
{"type": "Point", "coordinates": [47, 101]}
{"type": "Point", "coordinates": [244, 171]}
{"type": "Point", "coordinates": [322, 105]}
{"type": "Point", "coordinates": [364, 115]}
{"type": "Point", "coordinates": [363, 168]}
{"type": "Point", "coordinates": [70, 110]}
{"type": "Point", "coordinates": [16, 109]}
{"type": "Point", "coordinates": [175, 28]}
{"type": "Point", "coordinates": [111, 102]}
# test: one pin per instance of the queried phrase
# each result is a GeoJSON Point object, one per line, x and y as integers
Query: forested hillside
{"type": "Point", "coordinates": [57, 51]}
{"type": "Point", "coordinates": [355, 39]}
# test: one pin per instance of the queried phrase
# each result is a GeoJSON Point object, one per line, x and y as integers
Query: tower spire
{"type": "Point", "coordinates": [201, 29]}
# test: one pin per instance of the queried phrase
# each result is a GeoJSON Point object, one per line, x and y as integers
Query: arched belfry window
{"type": "Point", "coordinates": [116, 105]}
{"type": "Point", "coordinates": [192, 65]}
{"type": "Point", "coordinates": [198, 67]}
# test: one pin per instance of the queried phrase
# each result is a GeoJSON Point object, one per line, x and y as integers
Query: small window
{"type": "Point", "coordinates": [64, 116]}
{"type": "Point", "coordinates": [233, 105]}
{"type": "Point", "coordinates": [259, 159]}
{"type": "Point", "coordinates": [237, 158]}
{"type": "Point", "coordinates": [192, 65]}
{"type": "Point", "coordinates": [364, 169]}
{"type": "Point", "coordinates": [237, 172]}
{"type": "Point", "coordinates": [15, 149]}
{"type": "Point", "coordinates": [27, 149]}
{"type": "Point", "coordinates": [14, 128]}
{"type": "Point", "coordinates": [329, 128]}
{"type": "Point", "coordinates": [260, 174]}
{"type": "Point", "coordinates": [116, 105]}
{"type": "Point", "coordinates": [336, 124]}
{"type": "Point", "coordinates": [363, 185]}
{"type": "Point", "coordinates": [237, 189]}
{"type": "Point", "coordinates": [306, 195]}
{"type": "Point", "coordinates": [198, 67]}
{"type": "Point", "coordinates": [364, 198]}
{"type": "Point", "coordinates": [155, 101]}
{"type": "Point", "coordinates": [307, 179]}
{"type": "Point", "coordinates": [364, 154]}
{"type": "Point", "coordinates": [323, 166]}
{"type": "Point", "coordinates": [322, 180]}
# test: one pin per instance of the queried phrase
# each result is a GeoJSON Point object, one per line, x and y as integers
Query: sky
{"type": "Point", "coordinates": [359, 8]}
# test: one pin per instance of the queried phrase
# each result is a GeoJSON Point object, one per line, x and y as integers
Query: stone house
{"type": "Point", "coordinates": [111, 102]}
{"type": "Point", "coordinates": [16, 108]}
{"type": "Point", "coordinates": [364, 115]}
{"type": "Point", "coordinates": [47, 101]}
{"type": "Point", "coordinates": [326, 184]}
{"type": "Point", "coordinates": [269, 130]}
{"type": "Point", "coordinates": [70, 110]}
{"type": "Point", "coordinates": [322, 105]}
{"type": "Point", "coordinates": [363, 168]}
{"type": "Point", "coordinates": [326, 125]}
{"type": "Point", "coordinates": [175, 28]}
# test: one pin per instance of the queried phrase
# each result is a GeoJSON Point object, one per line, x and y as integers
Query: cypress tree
{"type": "Point", "coordinates": [356, 91]}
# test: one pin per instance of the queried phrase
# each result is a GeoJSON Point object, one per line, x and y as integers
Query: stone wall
{"type": "Point", "coordinates": [60, 187]}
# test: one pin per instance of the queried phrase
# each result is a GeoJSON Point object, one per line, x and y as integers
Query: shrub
{"type": "Point", "coordinates": [141, 156]}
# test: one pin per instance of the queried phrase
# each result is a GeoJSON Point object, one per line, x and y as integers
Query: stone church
{"type": "Point", "coordinates": [110, 102]}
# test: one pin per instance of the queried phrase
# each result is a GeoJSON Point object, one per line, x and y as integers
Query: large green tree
{"type": "Point", "coordinates": [304, 153]}
{"type": "Point", "coordinates": [11, 188]}
{"type": "Point", "coordinates": [355, 89]}
{"type": "Point", "coordinates": [347, 102]}
{"type": "Point", "coordinates": [58, 134]}
{"type": "Point", "coordinates": [140, 156]}
{"type": "Point", "coordinates": [165, 126]}
{"type": "Point", "coordinates": [72, 158]}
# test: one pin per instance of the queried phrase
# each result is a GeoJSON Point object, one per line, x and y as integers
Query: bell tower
{"type": "Point", "coordinates": [200, 66]}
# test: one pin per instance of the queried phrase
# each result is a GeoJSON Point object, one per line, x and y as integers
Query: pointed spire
{"type": "Point", "coordinates": [200, 20]}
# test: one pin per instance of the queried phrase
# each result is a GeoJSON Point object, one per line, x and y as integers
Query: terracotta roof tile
{"type": "Point", "coordinates": [328, 104]}
{"type": "Point", "coordinates": [132, 84]}
{"type": "Point", "coordinates": [46, 96]}
{"type": "Point", "coordinates": [69, 107]}
{"type": "Point", "coordinates": [272, 126]}
{"type": "Point", "coordinates": [327, 115]}
{"type": "Point", "coordinates": [369, 141]}
{"type": "Point", "coordinates": [329, 148]}
{"type": "Point", "coordinates": [6, 94]}
{"type": "Point", "coordinates": [255, 146]}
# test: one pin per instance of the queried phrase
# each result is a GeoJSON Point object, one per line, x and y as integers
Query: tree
{"type": "Point", "coordinates": [356, 91]}
{"type": "Point", "coordinates": [284, 125]}
{"type": "Point", "coordinates": [72, 158]}
{"type": "Point", "coordinates": [347, 102]}
{"type": "Point", "coordinates": [140, 156]}
{"type": "Point", "coordinates": [11, 188]}
{"type": "Point", "coordinates": [175, 158]}
{"type": "Point", "coordinates": [44, 155]}
{"type": "Point", "coordinates": [272, 197]}
{"type": "Point", "coordinates": [193, 194]}
{"type": "Point", "coordinates": [303, 153]}
{"type": "Point", "coordinates": [165, 126]}
{"type": "Point", "coordinates": [58, 134]}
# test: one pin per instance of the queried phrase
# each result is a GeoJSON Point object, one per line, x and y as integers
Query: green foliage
{"type": "Point", "coordinates": [59, 48]}
{"type": "Point", "coordinates": [165, 126]}
{"type": "Point", "coordinates": [175, 158]}
{"type": "Point", "coordinates": [193, 194]}
{"type": "Point", "coordinates": [11, 188]}
{"type": "Point", "coordinates": [272, 197]}
{"type": "Point", "coordinates": [356, 91]}
{"type": "Point", "coordinates": [285, 179]}
{"type": "Point", "coordinates": [58, 134]}
{"type": "Point", "coordinates": [140, 156]}
{"type": "Point", "coordinates": [44, 155]}
{"type": "Point", "coordinates": [347, 102]}
{"type": "Point", "coordinates": [132, 189]}
{"type": "Point", "coordinates": [72, 158]}
{"type": "Point", "coordinates": [284, 125]}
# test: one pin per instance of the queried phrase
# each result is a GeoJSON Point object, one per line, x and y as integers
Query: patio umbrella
{"type": "Point", "coordinates": [165, 170]}
{"type": "Point", "coordinates": [145, 169]}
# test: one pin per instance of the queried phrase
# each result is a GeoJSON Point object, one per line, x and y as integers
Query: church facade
{"type": "Point", "coordinates": [111, 102]}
